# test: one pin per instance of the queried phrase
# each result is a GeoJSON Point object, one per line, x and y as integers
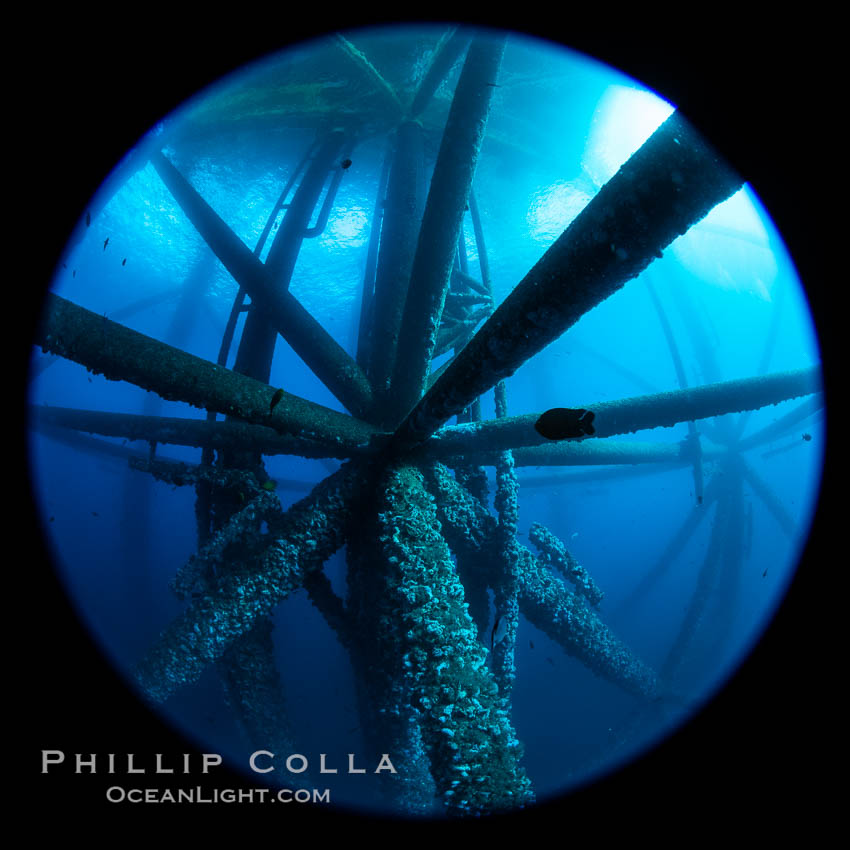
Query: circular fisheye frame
{"type": "Point", "coordinates": [427, 420]}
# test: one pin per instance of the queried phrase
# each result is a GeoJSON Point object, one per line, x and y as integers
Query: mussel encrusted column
{"type": "Point", "coordinates": [466, 732]}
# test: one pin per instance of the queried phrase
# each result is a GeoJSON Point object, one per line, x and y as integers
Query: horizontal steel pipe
{"type": "Point", "coordinates": [200, 433]}
{"type": "Point", "coordinates": [659, 410]}
{"type": "Point", "coordinates": [122, 354]}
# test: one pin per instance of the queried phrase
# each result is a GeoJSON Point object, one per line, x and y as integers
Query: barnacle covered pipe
{"type": "Point", "coordinates": [505, 577]}
{"type": "Point", "coordinates": [544, 600]}
{"type": "Point", "coordinates": [555, 552]}
{"type": "Point", "coordinates": [473, 750]}
{"type": "Point", "coordinates": [122, 354]}
{"type": "Point", "coordinates": [668, 185]}
{"type": "Point", "coordinates": [253, 690]}
{"type": "Point", "coordinates": [197, 574]}
{"type": "Point", "coordinates": [181, 474]}
{"type": "Point", "coordinates": [624, 416]}
{"type": "Point", "coordinates": [299, 540]}
{"type": "Point", "coordinates": [546, 603]}
{"type": "Point", "coordinates": [389, 722]}
{"type": "Point", "coordinates": [232, 435]}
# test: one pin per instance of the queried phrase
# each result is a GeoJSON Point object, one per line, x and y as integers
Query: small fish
{"type": "Point", "coordinates": [124, 261]}
{"type": "Point", "coordinates": [95, 513]}
{"type": "Point", "coordinates": [500, 629]}
{"type": "Point", "coordinates": [550, 660]}
{"type": "Point", "coordinates": [74, 273]}
{"type": "Point", "coordinates": [269, 484]}
{"type": "Point", "coordinates": [531, 644]}
{"type": "Point", "coordinates": [275, 399]}
{"type": "Point", "coordinates": [88, 218]}
{"type": "Point", "coordinates": [764, 574]}
{"type": "Point", "coordinates": [53, 519]}
{"type": "Point", "coordinates": [562, 423]}
{"type": "Point", "coordinates": [346, 163]}
{"type": "Point", "coordinates": [64, 265]}
{"type": "Point", "coordinates": [574, 535]}
{"type": "Point", "coordinates": [807, 437]}
{"type": "Point", "coordinates": [494, 85]}
{"type": "Point", "coordinates": [105, 243]}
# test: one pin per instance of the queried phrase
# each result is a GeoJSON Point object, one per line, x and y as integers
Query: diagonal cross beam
{"type": "Point", "coordinates": [664, 188]}
{"type": "Point", "coordinates": [311, 342]}
{"type": "Point", "coordinates": [301, 540]}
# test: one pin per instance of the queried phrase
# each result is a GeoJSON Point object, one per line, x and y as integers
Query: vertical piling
{"type": "Point", "coordinates": [441, 221]}
{"type": "Point", "coordinates": [401, 224]}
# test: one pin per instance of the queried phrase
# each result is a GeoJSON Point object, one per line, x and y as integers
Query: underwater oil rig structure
{"type": "Point", "coordinates": [410, 502]}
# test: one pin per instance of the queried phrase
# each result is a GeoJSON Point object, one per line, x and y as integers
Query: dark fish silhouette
{"type": "Point", "coordinates": [346, 163]}
{"type": "Point", "coordinates": [124, 261]}
{"type": "Point", "coordinates": [562, 423]}
{"type": "Point", "coordinates": [807, 437]}
{"type": "Point", "coordinates": [275, 399]}
{"type": "Point", "coordinates": [105, 243]}
{"type": "Point", "coordinates": [88, 218]}
{"type": "Point", "coordinates": [531, 644]}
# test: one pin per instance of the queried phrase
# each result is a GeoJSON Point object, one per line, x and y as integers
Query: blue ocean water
{"type": "Point", "coordinates": [560, 127]}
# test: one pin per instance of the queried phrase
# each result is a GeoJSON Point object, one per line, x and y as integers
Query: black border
{"type": "Point", "coordinates": [762, 96]}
